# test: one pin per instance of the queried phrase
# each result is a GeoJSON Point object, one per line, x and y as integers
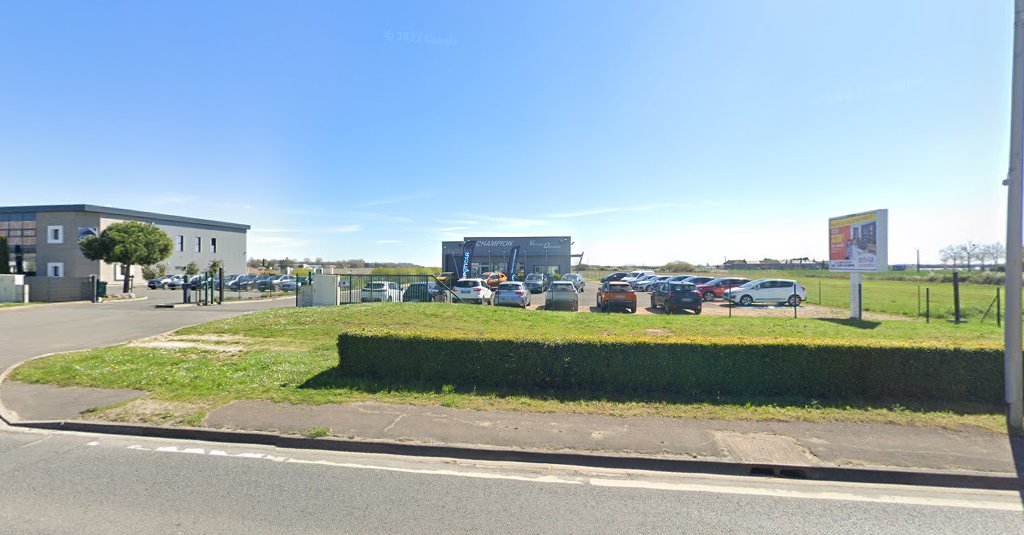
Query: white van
{"type": "Point", "coordinates": [634, 275]}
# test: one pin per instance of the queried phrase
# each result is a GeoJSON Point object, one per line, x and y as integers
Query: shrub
{"type": "Point", "coordinates": [691, 370]}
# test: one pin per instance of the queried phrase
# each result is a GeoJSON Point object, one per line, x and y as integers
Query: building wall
{"type": "Point", "coordinates": [66, 252]}
{"type": "Point", "coordinates": [534, 252]}
{"type": "Point", "coordinates": [231, 245]}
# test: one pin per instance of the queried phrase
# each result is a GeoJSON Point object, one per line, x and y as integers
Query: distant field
{"type": "Point", "coordinates": [889, 296]}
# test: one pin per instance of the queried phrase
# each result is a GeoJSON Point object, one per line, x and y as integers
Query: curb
{"type": "Point", "coordinates": [817, 473]}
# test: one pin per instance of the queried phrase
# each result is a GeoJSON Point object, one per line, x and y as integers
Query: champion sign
{"type": "Point", "coordinates": [494, 243]}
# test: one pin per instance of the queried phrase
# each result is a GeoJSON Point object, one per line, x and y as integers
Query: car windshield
{"type": "Point", "coordinates": [467, 283]}
{"type": "Point", "coordinates": [376, 286]}
{"type": "Point", "coordinates": [510, 286]}
{"type": "Point", "coordinates": [751, 284]}
{"type": "Point", "coordinates": [534, 277]}
{"type": "Point", "coordinates": [714, 281]}
{"type": "Point", "coordinates": [563, 287]}
{"type": "Point", "coordinates": [619, 287]}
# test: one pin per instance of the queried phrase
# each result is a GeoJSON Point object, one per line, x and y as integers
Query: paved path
{"type": "Point", "coordinates": [76, 483]}
{"type": "Point", "coordinates": [796, 443]}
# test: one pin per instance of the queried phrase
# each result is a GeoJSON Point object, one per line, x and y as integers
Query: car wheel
{"type": "Point", "coordinates": [708, 296]}
{"type": "Point", "coordinates": [631, 310]}
{"type": "Point", "coordinates": [697, 311]}
{"type": "Point", "coordinates": [794, 300]}
{"type": "Point", "coordinates": [654, 304]}
{"type": "Point", "coordinates": [668, 309]}
{"type": "Point", "coordinates": [746, 300]}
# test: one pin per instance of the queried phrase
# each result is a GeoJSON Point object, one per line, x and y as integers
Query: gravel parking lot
{"type": "Point", "coordinates": [588, 303]}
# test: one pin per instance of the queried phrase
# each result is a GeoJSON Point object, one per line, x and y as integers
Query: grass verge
{"type": "Point", "coordinates": [290, 355]}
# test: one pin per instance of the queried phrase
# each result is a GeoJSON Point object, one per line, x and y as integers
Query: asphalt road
{"type": "Point", "coordinates": [76, 483]}
{"type": "Point", "coordinates": [34, 330]}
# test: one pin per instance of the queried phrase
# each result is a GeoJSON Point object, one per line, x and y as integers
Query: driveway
{"type": "Point", "coordinates": [29, 331]}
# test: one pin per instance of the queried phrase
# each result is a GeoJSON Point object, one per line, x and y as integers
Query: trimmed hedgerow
{"type": "Point", "coordinates": [689, 369]}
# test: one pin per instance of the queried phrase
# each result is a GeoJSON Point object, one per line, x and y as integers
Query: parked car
{"type": "Point", "coordinates": [494, 278]}
{"type": "Point", "coordinates": [243, 283]}
{"type": "Point", "coordinates": [676, 296]}
{"type": "Point", "coordinates": [422, 292]}
{"type": "Point", "coordinates": [538, 282]}
{"type": "Point", "coordinates": [512, 294]}
{"type": "Point", "coordinates": [269, 284]}
{"type": "Point", "coordinates": [636, 275]}
{"type": "Point", "coordinates": [767, 291]}
{"type": "Point", "coordinates": [382, 291]}
{"type": "Point", "coordinates": [291, 283]}
{"type": "Point", "coordinates": [562, 295]}
{"type": "Point", "coordinates": [698, 279]}
{"type": "Point", "coordinates": [447, 278]}
{"type": "Point", "coordinates": [162, 282]}
{"type": "Point", "coordinates": [617, 276]}
{"type": "Point", "coordinates": [645, 285]}
{"type": "Point", "coordinates": [473, 291]}
{"type": "Point", "coordinates": [175, 284]}
{"type": "Point", "coordinates": [612, 295]}
{"type": "Point", "coordinates": [717, 287]}
{"type": "Point", "coordinates": [576, 279]}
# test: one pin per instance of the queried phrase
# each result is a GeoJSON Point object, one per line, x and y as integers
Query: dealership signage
{"type": "Point", "coordinates": [859, 242]}
{"type": "Point", "coordinates": [494, 243]}
{"type": "Point", "coordinates": [545, 244]}
{"type": "Point", "coordinates": [467, 255]}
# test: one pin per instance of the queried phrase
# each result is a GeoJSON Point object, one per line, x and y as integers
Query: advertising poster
{"type": "Point", "coordinates": [859, 242]}
{"type": "Point", "coordinates": [513, 262]}
{"type": "Point", "coordinates": [85, 232]}
{"type": "Point", "coordinates": [467, 257]}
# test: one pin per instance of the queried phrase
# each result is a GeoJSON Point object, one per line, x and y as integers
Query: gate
{"type": "Point", "coordinates": [393, 288]}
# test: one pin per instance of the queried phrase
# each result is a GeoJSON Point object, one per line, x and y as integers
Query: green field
{"type": "Point", "coordinates": [290, 355]}
{"type": "Point", "coordinates": [880, 295]}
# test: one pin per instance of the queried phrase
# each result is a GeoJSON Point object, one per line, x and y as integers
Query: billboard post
{"type": "Point", "coordinates": [858, 243]}
{"type": "Point", "coordinates": [1012, 361]}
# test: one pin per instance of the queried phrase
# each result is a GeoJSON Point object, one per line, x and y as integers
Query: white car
{"type": "Point", "coordinates": [383, 291]}
{"type": "Point", "coordinates": [782, 291]}
{"type": "Point", "coordinates": [637, 275]}
{"type": "Point", "coordinates": [472, 291]}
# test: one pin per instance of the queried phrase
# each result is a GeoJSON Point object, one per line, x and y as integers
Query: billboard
{"type": "Point", "coordinates": [859, 242]}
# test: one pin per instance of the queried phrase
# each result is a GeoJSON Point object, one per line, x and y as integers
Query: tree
{"type": "Point", "coordinates": [677, 266]}
{"type": "Point", "coordinates": [129, 243]}
{"type": "Point", "coordinates": [5, 257]}
{"type": "Point", "coordinates": [157, 271]}
{"type": "Point", "coordinates": [215, 265]}
{"type": "Point", "coordinates": [191, 269]}
{"type": "Point", "coordinates": [968, 251]}
{"type": "Point", "coordinates": [285, 264]}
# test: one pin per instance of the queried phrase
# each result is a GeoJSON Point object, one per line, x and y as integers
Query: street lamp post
{"type": "Point", "coordinates": [1012, 332]}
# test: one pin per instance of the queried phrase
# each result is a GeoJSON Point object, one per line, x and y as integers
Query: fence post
{"type": "Point", "coordinates": [220, 291]}
{"type": "Point", "coordinates": [919, 300]}
{"type": "Point", "coordinates": [927, 305]}
{"type": "Point", "coordinates": [820, 301]}
{"type": "Point", "coordinates": [860, 301]}
{"type": "Point", "coordinates": [999, 306]}
{"type": "Point", "coordinates": [956, 297]}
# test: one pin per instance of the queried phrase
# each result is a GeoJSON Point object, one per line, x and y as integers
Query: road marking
{"type": "Point", "coordinates": [1012, 504]}
{"type": "Point", "coordinates": [93, 443]}
{"type": "Point", "coordinates": [925, 496]}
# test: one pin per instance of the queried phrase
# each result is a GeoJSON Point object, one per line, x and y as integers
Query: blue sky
{"type": "Point", "coordinates": [649, 131]}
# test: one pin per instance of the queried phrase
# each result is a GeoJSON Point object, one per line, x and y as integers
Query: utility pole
{"type": "Point", "coordinates": [1014, 222]}
{"type": "Point", "coordinates": [918, 259]}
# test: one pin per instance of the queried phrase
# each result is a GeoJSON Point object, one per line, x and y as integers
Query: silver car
{"type": "Point", "coordinates": [576, 279]}
{"type": "Point", "coordinates": [562, 296]}
{"type": "Point", "coordinates": [512, 294]}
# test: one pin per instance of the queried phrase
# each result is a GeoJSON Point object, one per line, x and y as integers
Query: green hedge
{"type": "Point", "coordinates": [691, 370]}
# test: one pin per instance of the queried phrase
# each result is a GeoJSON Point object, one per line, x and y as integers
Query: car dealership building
{"type": "Point", "coordinates": [531, 254]}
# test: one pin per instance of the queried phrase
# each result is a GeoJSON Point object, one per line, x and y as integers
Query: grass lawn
{"type": "Point", "coordinates": [289, 355]}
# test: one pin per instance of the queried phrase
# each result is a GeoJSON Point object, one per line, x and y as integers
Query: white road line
{"type": "Point", "coordinates": [927, 496]}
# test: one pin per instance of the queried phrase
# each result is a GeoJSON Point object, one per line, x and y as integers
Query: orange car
{"type": "Point", "coordinates": [616, 295]}
{"type": "Point", "coordinates": [494, 278]}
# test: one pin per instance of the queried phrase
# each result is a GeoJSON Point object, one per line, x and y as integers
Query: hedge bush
{"type": "Point", "coordinates": [691, 370]}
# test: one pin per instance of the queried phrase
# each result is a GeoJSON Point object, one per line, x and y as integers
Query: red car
{"type": "Point", "coordinates": [716, 287]}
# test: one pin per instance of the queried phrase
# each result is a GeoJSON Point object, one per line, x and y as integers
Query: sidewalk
{"type": "Point", "coordinates": [784, 443]}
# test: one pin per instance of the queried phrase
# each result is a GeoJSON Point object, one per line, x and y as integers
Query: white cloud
{"type": "Point", "coordinates": [395, 200]}
{"type": "Point", "coordinates": [389, 241]}
{"type": "Point", "coordinates": [345, 229]}
{"type": "Point", "coordinates": [618, 209]}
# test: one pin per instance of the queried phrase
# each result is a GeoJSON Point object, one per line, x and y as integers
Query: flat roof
{"type": "Point", "coordinates": [110, 210]}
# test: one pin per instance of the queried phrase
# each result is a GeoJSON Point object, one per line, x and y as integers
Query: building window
{"type": "Point", "coordinates": [54, 234]}
{"type": "Point", "coordinates": [55, 269]}
{"type": "Point", "coordinates": [181, 243]}
{"type": "Point", "coordinates": [199, 244]}
{"type": "Point", "coordinates": [213, 245]}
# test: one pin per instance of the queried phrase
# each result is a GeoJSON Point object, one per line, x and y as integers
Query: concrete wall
{"type": "Point", "coordinates": [13, 289]}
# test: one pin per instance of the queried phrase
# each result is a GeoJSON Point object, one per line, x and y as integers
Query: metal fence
{"type": "Point", "coordinates": [393, 288]}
